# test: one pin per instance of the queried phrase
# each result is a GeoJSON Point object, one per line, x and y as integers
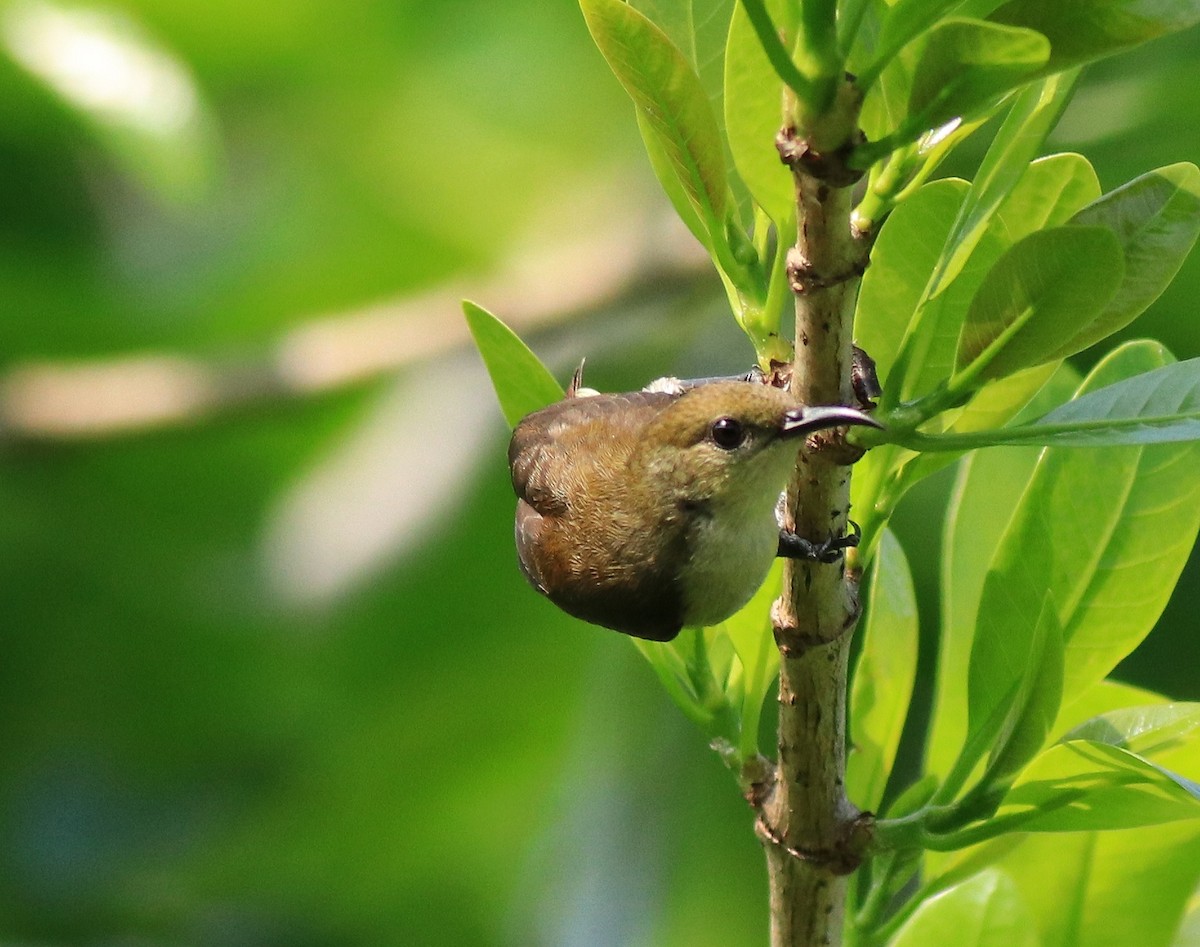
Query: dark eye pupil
{"type": "Point", "coordinates": [727, 433]}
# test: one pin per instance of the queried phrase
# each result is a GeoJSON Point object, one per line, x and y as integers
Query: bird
{"type": "Point", "coordinates": [654, 510]}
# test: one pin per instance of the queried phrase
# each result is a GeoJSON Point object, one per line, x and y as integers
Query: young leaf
{"type": "Point", "coordinates": [523, 384]}
{"type": "Point", "coordinates": [1086, 786]}
{"type": "Point", "coordinates": [883, 678]}
{"type": "Point", "coordinates": [753, 112]}
{"type": "Point", "coordinates": [1081, 31]}
{"type": "Point", "coordinates": [1036, 296]}
{"type": "Point", "coordinates": [668, 93]}
{"type": "Point", "coordinates": [697, 28]}
{"type": "Point", "coordinates": [984, 911]}
{"type": "Point", "coordinates": [966, 65]}
{"type": "Point", "coordinates": [1157, 407]}
{"type": "Point", "coordinates": [1157, 219]}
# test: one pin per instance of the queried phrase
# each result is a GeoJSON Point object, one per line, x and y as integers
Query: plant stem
{"type": "Point", "coordinates": [813, 835]}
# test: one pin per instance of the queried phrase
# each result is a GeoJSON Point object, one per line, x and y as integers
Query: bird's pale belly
{"type": "Point", "coordinates": [730, 558]}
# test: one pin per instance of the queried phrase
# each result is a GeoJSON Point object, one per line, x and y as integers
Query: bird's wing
{"type": "Point", "coordinates": [554, 449]}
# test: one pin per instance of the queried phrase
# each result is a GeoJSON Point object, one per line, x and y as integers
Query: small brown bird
{"type": "Point", "coordinates": [651, 510]}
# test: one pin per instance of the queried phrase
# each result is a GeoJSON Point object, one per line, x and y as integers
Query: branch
{"type": "Point", "coordinates": [813, 835]}
{"type": "Point", "coordinates": [68, 400]}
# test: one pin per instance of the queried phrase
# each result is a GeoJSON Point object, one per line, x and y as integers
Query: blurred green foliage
{"type": "Point", "coordinates": [273, 678]}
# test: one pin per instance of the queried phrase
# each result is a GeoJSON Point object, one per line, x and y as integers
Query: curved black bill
{"type": "Point", "coordinates": [820, 417]}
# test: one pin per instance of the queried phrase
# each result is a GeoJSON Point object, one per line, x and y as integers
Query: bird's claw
{"type": "Point", "coordinates": [792, 546]}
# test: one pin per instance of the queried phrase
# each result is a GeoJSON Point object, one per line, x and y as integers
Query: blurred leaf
{"type": "Point", "coordinates": [1084, 786]}
{"type": "Point", "coordinates": [883, 677]}
{"type": "Point", "coordinates": [1157, 219]}
{"type": "Point", "coordinates": [1038, 294]}
{"type": "Point", "coordinates": [754, 112]}
{"type": "Point", "coordinates": [667, 91]}
{"type": "Point", "coordinates": [523, 384]}
{"type": "Point", "coordinates": [1084, 30]}
{"type": "Point", "coordinates": [984, 911]}
{"type": "Point", "coordinates": [966, 65]}
{"type": "Point", "coordinates": [140, 100]}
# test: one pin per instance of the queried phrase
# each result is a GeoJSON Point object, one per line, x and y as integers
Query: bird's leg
{"type": "Point", "coordinates": [829, 550]}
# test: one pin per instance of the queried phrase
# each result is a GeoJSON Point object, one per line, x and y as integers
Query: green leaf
{"type": "Point", "coordinates": [676, 193]}
{"type": "Point", "coordinates": [698, 29]}
{"type": "Point", "coordinates": [1081, 31]}
{"type": "Point", "coordinates": [1036, 296]}
{"type": "Point", "coordinates": [1084, 786]}
{"type": "Point", "coordinates": [883, 677]}
{"type": "Point", "coordinates": [1147, 730]}
{"type": "Point", "coordinates": [1034, 112]}
{"type": "Point", "coordinates": [1157, 406]}
{"type": "Point", "coordinates": [986, 495]}
{"type": "Point", "coordinates": [1034, 704]}
{"type": "Point", "coordinates": [749, 630]}
{"type": "Point", "coordinates": [905, 253]}
{"type": "Point", "coordinates": [754, 112]}
{"type": "Point", "coordinates": [905, 21]}
{"type": "Point", "coordinates": [1108, 889]}
{"type": "Point", "coordinates": [966, 65]}
{"type": "Point", "coordinates": [523, 384]}
{"type": "Point", "coordinates": [668, 93]}
{"type": "Point", "coordinates": [984, 911]}
{"type": "Point", "coordinates": [1157, 219]}
{"type": "Point", "coordinates": [1133, 515]}
{"type": "Point", "coordinates": [1048, 194]}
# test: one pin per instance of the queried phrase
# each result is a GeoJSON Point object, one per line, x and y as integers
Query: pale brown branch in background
{"type": "Point", "coordinates": [103, 397]}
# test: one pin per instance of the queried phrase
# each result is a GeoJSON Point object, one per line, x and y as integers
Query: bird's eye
{"type": "Point", "coordinates": [727, 433]}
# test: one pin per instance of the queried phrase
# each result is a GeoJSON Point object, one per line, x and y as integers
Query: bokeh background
{"type": "Point", "coordinates": [268, 673]}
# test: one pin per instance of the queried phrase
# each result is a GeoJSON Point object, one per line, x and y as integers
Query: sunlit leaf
{"type": "Point", "coordinates": [1157, 219]}
{"type": "Point", "coordinates": [984, 911]}
{"type": "Point", "coordinates": [1135, 514]}
{"type": "Point", "coordinates": [968, 64]}
{"type": "Point", "coordinates": [1084, 786]}
{"type": "Point", "coordinates": [523, 384]}
{"type": "Point", "coordinates": [668, 93]}
{"type": "Point", "coordinates": [1037, 296]}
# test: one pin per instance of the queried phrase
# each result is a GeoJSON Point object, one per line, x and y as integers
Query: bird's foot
{"type": "Point", "coordinates": [792, 546]}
